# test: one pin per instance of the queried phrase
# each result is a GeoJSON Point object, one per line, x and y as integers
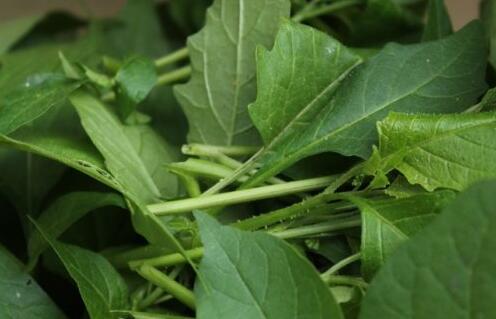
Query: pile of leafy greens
{"type": "Point", "coordinates": [249, 159]}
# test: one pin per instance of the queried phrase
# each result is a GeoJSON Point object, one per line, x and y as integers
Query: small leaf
{"type": "Point", "coordinates": [388, 223]}
{"type": "Point", "coordinates": [438, 21]}
{"type": "Point", "coordinates": [100, 285]}
{"type": "Point", "coordinates": [438, 151]}
{"type": "Point", "coordinates": [64, 212]}
{"type": "Point", "coordinates": [20, 295]}
{"type": "Point", "coordinates": [444, 271]}
{"type": "Point", "coordinates": [222, 56]}
{"type": "Point", "coordinates": [255, 275]}
{"type": "Point", "coordinates": [135, 79]}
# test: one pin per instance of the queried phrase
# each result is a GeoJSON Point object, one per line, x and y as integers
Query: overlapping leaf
{"type": "Point", "coordinates": [222, 56]}
{"type": "Point", "coordinates": [388, 223]}
{"type": "Point", "coordinates": [254, 275]}
{"type": "Point", "coordinates": [442, 76]}
{"type": "Point", "coordinates": [438, 22]}
{"type": "Point", "coordinates": [446, 270]}
{"type": "Point", "coordinates": [438, 151]}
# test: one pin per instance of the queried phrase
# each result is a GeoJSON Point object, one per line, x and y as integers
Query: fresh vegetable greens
{"type": "Point", "coordinates": [340, 161]}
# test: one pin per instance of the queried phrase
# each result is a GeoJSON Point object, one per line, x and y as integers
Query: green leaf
{"type": "Point", "coordinates": [388, 223]}
{"type": "Point", "coordinates": [446, 270]}
{"type": "Point", "coordinates": [222, 56]}
{"type": "Point", "coordinates": [151, 315]}
{"type": "Point", "coordinates": [436, 77]}
{"type": "Point", "coordinates": [438, 151]}
{"type": "Point", "coordinates": [64, 212]}
{"type": "Point", "coordinates": [41, 93]}
{"type": "Point", "coordinates": [100, 285]}
{"type": "Point", "coordinates": [20, 295]}
{"type": "Point", "coordinates": [488, 15]}
{"type": "Point", "coordinates": [135, 79]}
{"type": "Point", "coordinates": [299, 56]}
{"type": "Point", "coordinates": [121, 158]}
{"type": "Point", "coordinates": [488, 102]}
{"type": "Point", "coordinates": [255, 275]}
{"type": "Point", "coordinates": [12, 31]}
{"type": "Point", "coordinates": [438, 21]}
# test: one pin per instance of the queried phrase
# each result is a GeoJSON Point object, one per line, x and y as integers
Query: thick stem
{"type": "Point", "coordinates": [173, 57]}
{"type": "Point", "coordinates": [242, 196]}
{"type": "Point", "coordinates": [341, 264]}
{"type": "Point", "coordinates": [174, 76]}
{"type": "Point", "coordinates": [171, 286]}
{"type": "Point", "coordinates": [345, 280]}
{"type": "Point", "coordinates": [168, 260]}
{"type": "Point", "coordinates": [317, 229]}
{"type": "Point", "coordinates": [330, 8]}
{"type": "Point", "coordinates": [213, 150]}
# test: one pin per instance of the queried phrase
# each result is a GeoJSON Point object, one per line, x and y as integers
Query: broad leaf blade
{"type": "Point", "coordinates": [64, 212]}
{"type": "Point", "coordinates": [446, 270]}
{"type": "Point", "coordinates": [20, 295]}
{"type": "Point", "coordinates": [296, 79]}
{"type": "Point", "coordinates": [439, 151]}
{"type": "Point", "coordinates": [434, 77]}
{"type": "Point", "coordinates": [438, 21]}
{"type": "Point", "coordinates": [254, 275]}
{"type": "Point", "coordinates": [13, 30]}
{"type": "Point", "coordinates": [222, 56]}
{"type": "Point", "coordinates": [100, 285]}
{"type": "Point", "coordinates": [388, 223]}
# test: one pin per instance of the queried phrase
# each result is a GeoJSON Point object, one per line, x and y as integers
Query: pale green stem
{"type": "Point", "coordinates": [213, 150]}
{"type": "Point", "coordinates": [171, 286]}
{"type": "Point", "coordinates": [305, 231]}
{"type": "Point", "coordinates": [173, 57]}
{"type": "Point", "coordinates": [326, 9]}
{"type": "Point", "coordinates": [345, 280]}
{"type": "Point", "coordinates": [168, 260]}
{"type": "Point", "coordinates": [242, 196]}
{"type": "Point", "coordinates": [174, 76]}
{"type": "Point", "coordinates": [341, 264]}
{"type": "Point", "coordinates": [189, 181]}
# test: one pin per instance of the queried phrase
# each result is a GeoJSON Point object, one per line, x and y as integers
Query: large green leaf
{"type": "Point", "coordinates": [222, 55]}
{"type": "Point", "coordinates": [20, 295]}
{"type": "Point", "coordinates": [438, 22]}
{"type": "Point", "coordinates": [446, 270]}
{"type": "Point", "coordinates": [301, 56]}
{"type": "Point", "coordinates": [388, 223]}
{"type": "Point", "coordinates": [13, 30]}
{"type": "Point", "coordinates": [435, 77]}
{"type": "Point", "coordinates": [64, 212]}
{"type": "Point", "coordinates": [437, 151]}
{"type": "Point", "coordinates": [100, 285]}
{"type": "Point", "coordinates": [254, 275]}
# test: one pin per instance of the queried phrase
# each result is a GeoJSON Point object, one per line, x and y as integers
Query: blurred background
{"type": "Point", "coordinates": [461, 11]}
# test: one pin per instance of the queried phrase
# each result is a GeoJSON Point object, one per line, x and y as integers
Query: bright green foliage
{"type": "Point", "coordinates": [222, 85]}
{"type": "Point", "coordinates": [259, 282]}
{"type": "Point", "coordinates": [446, 270]}
{"type": "Point", "coordinates": [388, 223]}
{"type": "Point", "coordinates": [101, 287]}
{"type": "Point", "coordinates": [438, 22]}
{"type": "Point", "coordinates": [443, 76]}
{"type": "Point", "coordinates": [438, 151]}
{"type": "Point", "coordinates": [20, 295]}
{"type": "Point", "coordinates": [135, 79]}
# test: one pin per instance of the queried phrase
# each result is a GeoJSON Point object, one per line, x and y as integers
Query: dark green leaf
{"type": "Point", "coordinates": [446, 270]}
{"type": "Point", "coordinates": [222, 56]}
{"type": "Point", "coordinates": [135, 79]}
{"type": "Point", "coordinates": [254, 275]}
{"type": "Point", "coordinates": [438, 151]}
{"type": "Point", "coordinates": [438, 21]}
{"type": "Point", "coordinates": [20, 295]}
{"type": "Point", "coordinates": [64, 212]}
{"type": "Point", "coordinates": [488, 16]}
{"type": "Point", "coordinates": [388, 223]}
{"type": "Point", "coordinates": [436, 77]}
{"type": "Point", "coordinates": [100, 285]}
